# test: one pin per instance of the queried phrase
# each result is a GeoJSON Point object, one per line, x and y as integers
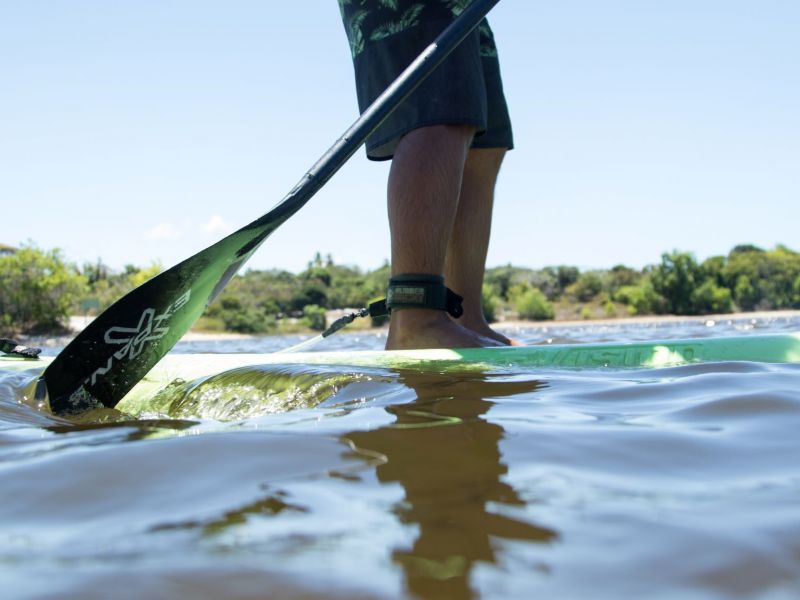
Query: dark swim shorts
{"type": "Point", "coordinates": [466, 88]}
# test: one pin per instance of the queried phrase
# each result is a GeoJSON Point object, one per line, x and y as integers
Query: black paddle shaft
{"type": "Point", "coordinates": [123, 343]}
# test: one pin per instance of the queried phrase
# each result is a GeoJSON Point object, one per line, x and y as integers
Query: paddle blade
{"type": "Point", "coordinates": [122, 344]}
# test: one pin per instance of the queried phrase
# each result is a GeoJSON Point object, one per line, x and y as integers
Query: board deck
{"type": "Point", "coordinates": [773, 348]}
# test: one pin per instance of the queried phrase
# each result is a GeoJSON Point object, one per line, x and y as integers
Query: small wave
{"type": "Point", "coordinates": [254, 391]}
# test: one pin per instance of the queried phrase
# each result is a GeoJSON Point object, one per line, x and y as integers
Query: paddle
{"type": "Point", "coordinates": [122, 344]}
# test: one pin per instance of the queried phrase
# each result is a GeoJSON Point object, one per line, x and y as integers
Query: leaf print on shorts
{"type": "Point", "coordinates": [354, 33]}
{"type": "Point", "coordinates": [457, 6]}
{"type": "Point", "coordinates": [409, 18]}
{"type": "Point", "coordinates": [488, 47]}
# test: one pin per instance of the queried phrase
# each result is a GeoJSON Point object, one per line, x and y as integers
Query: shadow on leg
{"type": "Point", "coordinates": [469, 242]}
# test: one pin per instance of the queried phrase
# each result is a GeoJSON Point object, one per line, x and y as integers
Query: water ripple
{"type": "Point", "coordinates": [320, 482]}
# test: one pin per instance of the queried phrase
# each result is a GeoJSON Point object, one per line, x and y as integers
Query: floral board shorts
{"type": "Point", "coordinates": [387, 35]}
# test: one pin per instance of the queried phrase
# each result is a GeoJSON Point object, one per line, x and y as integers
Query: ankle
{"type": "Point", "coordinates": [473, 319]}
{"type": "Point", "coordinates": [418, 318]}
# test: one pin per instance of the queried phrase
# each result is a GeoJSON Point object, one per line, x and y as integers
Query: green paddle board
{"type": "Point", "coordinates": [774, 348]}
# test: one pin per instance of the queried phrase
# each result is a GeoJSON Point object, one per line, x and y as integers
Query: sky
{"type": "Point", "coordinates": [142, 131]}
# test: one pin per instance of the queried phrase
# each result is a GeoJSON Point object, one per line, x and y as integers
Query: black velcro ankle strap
{"type": "Point", "coordinates": [422, 291]}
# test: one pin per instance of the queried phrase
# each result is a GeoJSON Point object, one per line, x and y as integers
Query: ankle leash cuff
{"type": "Point", "coordinates": [418, 291]}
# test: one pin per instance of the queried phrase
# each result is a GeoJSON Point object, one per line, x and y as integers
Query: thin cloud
{"type": "Point", "coordinates": [163, 231]}
{"type": "Point", "coordinates": [216, 225]}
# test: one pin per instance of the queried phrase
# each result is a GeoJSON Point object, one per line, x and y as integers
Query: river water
{"type": "Point", "coordinates": [325, 482]}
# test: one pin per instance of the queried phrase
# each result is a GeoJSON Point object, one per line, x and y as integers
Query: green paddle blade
{"type": "Point", "coordinates": [119, 347]}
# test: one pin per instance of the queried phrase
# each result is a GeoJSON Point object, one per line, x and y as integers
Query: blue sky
{"type": "Point", "coordinates": [147, 130]}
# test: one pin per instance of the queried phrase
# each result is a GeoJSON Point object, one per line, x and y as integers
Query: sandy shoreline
{"type": "Point", "coordinates": [77, 323]}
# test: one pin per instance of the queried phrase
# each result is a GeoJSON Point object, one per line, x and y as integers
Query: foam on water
{"type": "Point", "coordinates": [299, 481]}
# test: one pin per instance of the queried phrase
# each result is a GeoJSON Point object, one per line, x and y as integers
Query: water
{"type": "Point", "coordinates": [324, 482]}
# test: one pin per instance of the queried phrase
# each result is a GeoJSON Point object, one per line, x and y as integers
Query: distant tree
{"type": "Point", "coordinates": [641, 298]}
{"type": "Point", "coordinates": [311, 292]}
{"type": "Point", "coordinates": [107, 287]}
{"type": "Point", "coordinates": [714, 268]}
{"type": "Point", "coordinates": [762, 279]}
{"type": "Point", "coordinates": [37, 289]}
{"type": "Point", "coordinates": [676, 278]}
{"type": "Point", "coordinates": [375, 282]}
{"type": "Point", "coordinates": [502, 279]}
{"type": "Point", "coordinates": [566, 276]}
{"type": "Point", "coordinates": [490, 303]}
{"type": "Point", "coordinates": [746, 295]}
{"type": "Point", "coordinates": [796, 292]}
{"type": "Point", "coordinates": [143, 274]}
{"type": "Point", "coordinates": [711, 298]}
{"type": "Point", "coordinates": [530, 303]}
{"type": "Point", "coordinates": [620, 275]}
{"type": "Point", "coordinates": [586, 287]}
{"type": "Point", "coordinates": [315, 317]}
{"type": "Point", "coordinates": [346, 286]}
{"type": "Point", "coordinates": [542, 279]}
{"type": "Point", "coordinates": [95, 272]}
{"type": "Point", "coordinates": [499, 278]}
{"type": "Point", "coordinates": [318, 274]}
{"type": "Point", "coordinates": [743, 249]}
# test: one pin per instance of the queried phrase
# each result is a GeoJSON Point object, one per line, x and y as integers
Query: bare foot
{"type": "Point", "coordinates": [414, 328]}
{"type": "Point", "coordinates": [481, 327]}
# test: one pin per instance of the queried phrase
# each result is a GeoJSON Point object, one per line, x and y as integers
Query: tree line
{"type": "Point", "coordinates": [39, 289]}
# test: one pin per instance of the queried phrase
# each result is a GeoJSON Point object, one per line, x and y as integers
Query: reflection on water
{"type": "Point", "coordinates": [447, 458]}
{"type": "Point", "coordinates": [328, 482]}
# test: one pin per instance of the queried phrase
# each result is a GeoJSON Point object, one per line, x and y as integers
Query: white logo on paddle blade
{"type": "Point", "coordinates": [134, 338]}
{"type": "Point", "coordinates": [151, 327]}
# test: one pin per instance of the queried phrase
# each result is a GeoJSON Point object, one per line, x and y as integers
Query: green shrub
{"type": "Point", "coordinates": [796, 292]}
{"type": "Point", "coordinates": [489, 302]}
{"type": "Point", "coordinates": [107, 286]}
{"type": "Point", "coordinates": [711, 298]}
{"type": "Point", "coordinates": [640, 299]}
{"type": "Point", "coordinates": [566, 276]}
{"type": "Point", "coordinates": [531, 303]}
{"type": "Point", "coordinates": [209, 324]}
{"type": "Point", "coordinates": [618, 276]}
{"type": "Point", "coordinates": [675, 279]}
{"type": "Point", "coordinates": [744, 292]}
{"type": "Point", "coordinates": [587, 286]}
{"type": "Point", "coordinates": [37, 289]}
{"type": "Point", "coordinates": [762, 279]}
{"type": "Point", "coordinates": [312, 292]}
{"type": "Point", "coordinates": [714, 268]}
{"type": "Point", "coordinates": [315, 317]}
{"type": "Point", "coordinates": [248, 320]}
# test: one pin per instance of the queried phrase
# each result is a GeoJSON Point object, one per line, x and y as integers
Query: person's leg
{"type": "Point", "coordinates": [423, 195]}
{"type": "Point", "coordinates": [469, 242]}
